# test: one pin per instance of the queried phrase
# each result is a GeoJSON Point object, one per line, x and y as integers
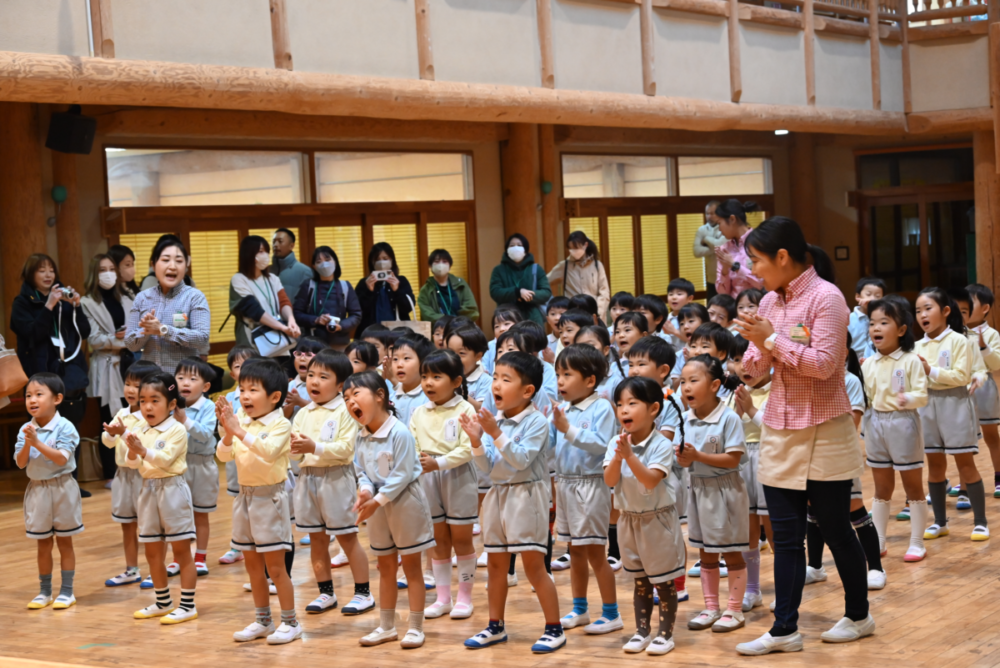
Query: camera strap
{"type": "Point", "coordinates": [62, 344]}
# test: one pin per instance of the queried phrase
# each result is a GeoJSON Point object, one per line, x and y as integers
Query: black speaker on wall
{"type": "Point", "coordinates": [71, 132]}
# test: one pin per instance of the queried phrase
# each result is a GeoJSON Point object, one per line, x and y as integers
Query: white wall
{"type": "Point", "coordinates": [374, 37]}
{"type": "Point", "coordinates": [843, 72]}
{"type": "Point", "coordinates": [45, 26]}
{"type": "Point", "coordinates": [597, 46]}
{"type": "Point", "coordinates": [692, 55]}
{"type": "Point", "coordinates": [773, 67]}
{"type": "Point", "coordinates": [950, 73]}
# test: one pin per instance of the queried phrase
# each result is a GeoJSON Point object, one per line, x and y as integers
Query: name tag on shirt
{"type": "Point", "coordinates": [57, 341]}
{"type": "Point", "coordinates": [384, 463]}
{"type": "Point", "coordinates": [898, 381]}
{"type": "Point", "coordinates": [451, 430]}
{"type": "Point", "coordinates": [800, 334]}
{"type": "Point", "coordinates": [944, 359]}
{"type": "Point", "coordinates": [329, 430]}
{"type": "Point", "coordinates": [180, 320]}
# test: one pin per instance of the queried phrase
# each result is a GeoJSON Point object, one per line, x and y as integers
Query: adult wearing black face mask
{"type": "Point", "coordinates": [327, 307]}
{"type": "Point", "coordinates": [384, 294]}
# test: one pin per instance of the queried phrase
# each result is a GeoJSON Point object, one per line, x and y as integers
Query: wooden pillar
{"type": "Point", "coordinates": [543, 9]}
{"type": "Point", "coordinates": [805, 196]}
{"type": "Point", "coordinates": [22, 216]}
{"type": "Point", "coordinates": [904, 35]}
{"type": "Point", "coordinates": [71, 263]}
{"type": "Point", "coordinates": [995, 87]}
{"type": "Point", "coordinates": [520, 176]}
{"type": "Point", "coordinates": [809, 50]}
{"type": "Point", "coordinates": [987, 211]}
{"type": "Point", "coordinates": [550, 173]}
{"type": "Point", "coordinates": [735, 75]}
{"type": "Point", "coordinates": [425, 51]}
{"type": "Point", "coordinates": [279, 35]}
{"type": "Point", "coordinates": [101, 28]}
{"type": "Point", "coordinates": [648, 48]}
{"type": "Point", "coordinates": [876, 54]}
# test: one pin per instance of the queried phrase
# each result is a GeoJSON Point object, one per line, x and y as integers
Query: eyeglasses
{"type": "Point", "coordinates": [304, 354]}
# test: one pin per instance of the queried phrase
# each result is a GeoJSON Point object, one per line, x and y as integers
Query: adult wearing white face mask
{"type": "Point", "coordinates": [518, 280]}
{"type": "Point", "coordinates": [444, 293]}
{"type": "Point", "coordinates": [384, 294]}
{"type": "Point", "coordinates": [106, 306]}
{"type": "Point", "coordinates": [582, 273]}
{"type": "Point", "coordinates": [326, 306]}
{"type": "Point", "coordinates": [257, 297]}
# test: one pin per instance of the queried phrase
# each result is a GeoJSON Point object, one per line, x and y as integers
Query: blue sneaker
{"type": "Point", "coordinates": [963, 502]}
{"type": "Point", "coordinates": [695, 571]}
{"type": "Point", "coordinates": [904, 514]}
{"type": "Point", "coordinates": [548, 643]}
{"type": "Point", "coordinates": [486, 638]}
{"type": "Point", "coordinates": [123, 579]}
{"type": "Point", "coordinates": [304, 540]}
{"type": "Point", "coordinates": [682, 595]}
{"type": "Point", "coordinates": [955, 491]}
{"type": "Point", "coordinates": [147, 583]}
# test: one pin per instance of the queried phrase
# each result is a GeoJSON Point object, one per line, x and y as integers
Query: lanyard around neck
{"type": "Point", "coordinates": [323, 303]}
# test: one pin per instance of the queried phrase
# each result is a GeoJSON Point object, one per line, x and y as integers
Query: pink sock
{"type": "Point", "coordinates": [442, 579]}
{"type": "Point", "coordinates": [466, 577]}
{"type": "Point", "coordinates": [710, 586]}
{"type": "Point", "coordinates": [737, 587]}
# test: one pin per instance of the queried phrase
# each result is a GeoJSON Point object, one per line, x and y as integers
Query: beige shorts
{"type": "Point", "coordinates": [324, 500]}
{"type": "Point", "coordinates": [260, 519]}
{"type": "Point", "coordinates": [652, 544]}
{"type": "Point", "coordinates": [403, 525]}
{"type": "Point", "coordinates": [125, 488]}
{"type": "Point", "coordinates": [232, 479]}
{"type": "Point", "coordinates": [824, 452]}
{"type": "Point", "coordinates": [165, 510]}
{"type": "Point", "coordinates": [719, 514]}
{"type": "Point", "coordinates": [202, 477]}
{"type": "Point", "coordinates": [755, 490]}
{"type": "Point", "coordinates": [53, 507]}
{"type": "Point", "coordinates": [453, 495]}
{"type": "Point", "coordinates": [583, 507]}
{"type": "Point", "coordinates": [516, 517]}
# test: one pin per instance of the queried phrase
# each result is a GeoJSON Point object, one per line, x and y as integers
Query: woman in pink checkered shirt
{"type": "Point", "coordinates": [809, 450]}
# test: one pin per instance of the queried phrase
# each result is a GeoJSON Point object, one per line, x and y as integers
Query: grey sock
{"type": "Point", "coordinates": [939, 492]}
{"type": "Point", "coordinates": [977, 497]}
{"type": "Point", "coordinates": [416, 621]}
{"type": "Point", "coordinates": [45, 584]}
{"type": "Point", "coordinates": [66, 588]}
{"type": "Point", "coordinates": [387, 619]}
{"type": "Point", "coordinates": [642, 602]}
{"type": "Point", "coordinates": [264, 616]}
{"type": "Point", "coordinates": [288, 617]}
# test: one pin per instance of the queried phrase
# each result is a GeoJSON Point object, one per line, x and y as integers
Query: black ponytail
{"type": "Point", "coordinates": [680, 415]}
{"type": "Point", "coordinates": [854, 366]}
{"type": "Point", "coordinates": [943, 299]}
{"type": "Point", "coordinates": [780, 232]}
{"type": "Point", "coordinates": [448, 363]}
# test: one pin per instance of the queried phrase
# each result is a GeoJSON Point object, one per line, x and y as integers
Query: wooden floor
{"type": "Point", "coordinates": [941, 612]}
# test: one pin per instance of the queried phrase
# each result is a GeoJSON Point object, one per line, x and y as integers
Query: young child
{"type": "Point", "coordinates": [127, 483]}
{"type": "Point", "coordinates": [534, 342]}
{"type": "Point", "coordinates": [554, 310]}
{"type": "Point", "coordinates": [194, 378]}
{"type": "Point", "coordinates": [747, 302]}
{"type": "Point", "coordinates": [680, 292]}
{"type": "Point", "coordinates": [580, 433]}
{"type": "Point", "coordinates": [52, 505]}
{"type": "Point", "coordinates": [596, 337]}
{"type": "Point", "coordinates": [621, 302]}
{"type": "Point", "coordinates": [504, 317]}
{"type": "Point", "coordinates": [364, 356]}
{"type": "Point", "coordinates": [438, 331]}
{"type": "Point", "coordinates": [868, 289]}
{"type": "Point", "coordinates": [657, 317]}
{"type": "Point", "coordinates": [235, 360]}
{"type": "Point", "coordinates": [722, 310]}
{"type": "Point", "coordinates": [512, 448]}
{"type": "Point", "coordinates": [469, 343]}
{"type": "Point", "coordinates": [449, 479]}
{"type": "Point", "coordinates": [987, 398]}
{"type": "Point", "coordinates": [718, 505]}
{"type": "Point", "coordinates": [258, 438]}
{"type": "Point", "coordinates": [897, 387]}
{"type": "Point", "coordinates": [710, 339]}
{"type": "Point", "coordinates": [690, 317]}
{"type": "Point", "coordinates": [298, 395]}
{"type": "Point", "coordinates": [157, 446]}
{"type": "Point", "coordinates": [637, 464]}
{"type": "Point", "coordinates": [949, 419]}
{"type": "Point", "coordinates": [407, 354]}
{"type": "Point", "coordinates": [322, 441]}
{"type": "Point", "coordinates": [392, 500]}
{"type": "Point", "coordinates": [629, 328]}
{"type": "Point", "coordinates": [571, 322]}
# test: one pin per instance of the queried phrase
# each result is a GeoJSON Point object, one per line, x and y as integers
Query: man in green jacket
{"type": "Point", "coordinates": [518, 280]}
{"type": "Point", "coordinates": [443, 293]}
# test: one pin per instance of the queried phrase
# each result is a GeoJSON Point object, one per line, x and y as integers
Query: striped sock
{"type": "Point", "coordinates": [163, 600]}
{"type": "Point", "coordinates": [187, 599]}
{"type": "Point", "coordinates": [200, 556]}
{"type": "Point", "coordinates": [264, 616]}
{"type": "Point", "coordinates": [288, 617]}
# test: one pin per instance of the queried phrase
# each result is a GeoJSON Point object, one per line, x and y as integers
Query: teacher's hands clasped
{"type": "Point", "coordinates": [755, 329]}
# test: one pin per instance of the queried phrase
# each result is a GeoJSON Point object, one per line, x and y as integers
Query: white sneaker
{"type": "Point", "coordinates": [486, 638]}
{"type": "Point", "coordinates": [616, 564]}
{"type": "Point", "coordinates": [322, 603]}
{"type": "Point", "coordinates": [179, 615]}
{"type": "Point", "coordinates": [123, 579]}
{"type": "Point", "coordinates": [773, 605]}
{"type": "Point", "coordinates": [729, 621]}
{"type": "Point", "coordinates": [574, 619]}
{"type": "Point", "coordinates": [254, 631]}
{"type": "Point", "coordinates": [604, 625]}
{"type": "Point", "coordinates": [511, 581]}
{"type": "Point", "coordinates": [429, 581]}
{"type": "Point", "coordinates": [704, 620]}
{"type": "Point", "coordinates": [637, 644]}
{"type": "Point", "coordinates": [285, 634]}
{"type": "Point", "coordinates": [551, 577]}
{"type": "Point", "coordinates": [562, 563]}
{"type": "Point", "coordinates": [848, 631]}
{"type": "Point", "coordinates": [201, 568]}
{"type": "Point", "coordinates": [980, 533]}
{"type": "Point", "coordinates": [454, 561]}
{"type": "Point", "coordinates": [751, 601]}
{"type": "Point", "coordinates": [876, 579]}
{"type": "Point", "coordinates": [412, 639]}
{"type": "Point", "coordinates": [914, 553]}
{"type": "Point", "coordinates": [380, 636]}
{"type": "Point", "coordinates": [437, 609]}
{"type": "Point", "coordinates": [476, 529]}
{"type": "Point", "coordinates": [173, 568]}
{"type": "Point", "coordinates": [271, 589]}
{"type": "Point", "coordinates": [62, 602]}
{"type": "Point", "coordinates": [814, 575]}
{"type": "Point", "coordinates": [660, 646]}
{"type": "Point", "coordinates": [547, 643]}
{"type": "Point", "coordinates": [481, 561]}
{"type": "Point", "coordinates": [461, 610]}
{"type": "Point", "coordinates": [40, 601]}
{"type": "Point", "coordinates": [359, 604]}
{"type": "Point", "coordinates": [339, 560]}
{"type": "Point", "coordinates": [682, 595]}
{"type": "Point", "coordinates": [151, 611]}
{"type": "Point", "coordinates": [768, 643]}
{"type": "Point", "coordinates": [401, 582]}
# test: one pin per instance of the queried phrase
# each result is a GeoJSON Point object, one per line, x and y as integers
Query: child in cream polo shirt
{"type": "Point", "coordinates": [258, 438]}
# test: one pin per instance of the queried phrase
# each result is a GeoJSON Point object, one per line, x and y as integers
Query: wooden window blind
{"type": "Point", "coordinates": [621, 254]}
{"type": "Point", "coordinates": [214, 261]}
{"type": "Point", "coordinates": [589, 226]}
{"type": "Point", "coordinates": [689, 266]}
{"type": "Point", "coordinates": [347, 243]}
{"type": "Point", "coordinates": [142, 246]}
{"type": "Point", "coordinates": [451, 237]}
{"type": "Point", "coordinates": [655, 251]}
{"type": "Point", "coordinates": [403, 239]}
{"type": "Point", "coordinates": [755, 218]}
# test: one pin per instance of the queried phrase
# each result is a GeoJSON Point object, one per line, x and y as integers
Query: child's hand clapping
{"type": "Point", "coordinates": [365, 506]}
{"type": "Point", "coordinates": [559, 419]}
{"type": "Point", "coordinates": [623, 450]}
{"type": "Point", "coordinates": [135, 447]}
{"type": "Point", "coordinates": [428, 463]}
{"type": "Point", "coordinates": [116, 428]}
{"type": "Point", "coordinates": [224, 412]}
{"type": "Point", "coordinates": [302, 444]}
{"type": "Point", "coordinates": [927, 367]}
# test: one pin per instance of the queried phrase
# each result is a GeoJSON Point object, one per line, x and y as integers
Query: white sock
{"type": "Point", "coordinates": [880, 518]}
{"type": "Point", "coordinates": [918, 519]}
{"type": "Point", "coordinates": [442, 579]}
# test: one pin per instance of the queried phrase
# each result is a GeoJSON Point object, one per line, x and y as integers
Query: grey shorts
{"type": "Point", "coordinates": [484, 480]}
{"type": "Point", "coordinates": [453, 495]}
{"type": "Point", "coordinates": [125, 488]}
{"type": "Point", "coordinates": [894, 439]}
{"type": "Point", "coordinates": [857, 492]}
{"type": "Point", "coordinates": [324, 500]}
{"type": "Point", "coordinates": [290, 481]}
{"type": "Point", "coordinates": [583, 507]}
{"type": "Point", "coordinates": [652, 544]}
{"type": "Point", "coordinates": [755, 489]}
{"type": "Point", "coordinates": [949, 422]}
{"type": "Point", "coordinates": [53, 508]}
{"type": "Point", "coordinates": [260, 519]}
{"type": "Point", "coordinates": [516, 517]}
{"type": "Point", "coordinates": [403, 525]}
{"type": "Point", "coordinates": [202, 477]}
{"type": "Point", "coordinates": [680, 477]}
{"type": "Point", "coordinates": [719, 514]}
{"type": "Point", "coordinates": [987, 402]}
{"type": "Point", "coordinates": [232, 479]}
{"type": "Point", "coordinates": [165, 510]}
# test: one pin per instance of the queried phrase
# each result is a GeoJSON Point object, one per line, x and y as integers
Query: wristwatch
{"type": "Point", "coordinates": [769, 341]}
{"type": "Point", "coordinates": [735, 267]}
{"type": "Point", "coordinates": [163, 330]}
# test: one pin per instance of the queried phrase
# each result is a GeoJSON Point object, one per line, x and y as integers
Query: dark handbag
{"type": "Point", "coordinates": [127, 360]}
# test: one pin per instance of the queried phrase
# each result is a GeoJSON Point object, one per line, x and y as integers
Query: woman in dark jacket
{"type": "Point", "coordinates": [325, 297]}
{"type": "Point", "coordinates": [389, 298]}
{"type": "Point", "coordinates": [518, 280]}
